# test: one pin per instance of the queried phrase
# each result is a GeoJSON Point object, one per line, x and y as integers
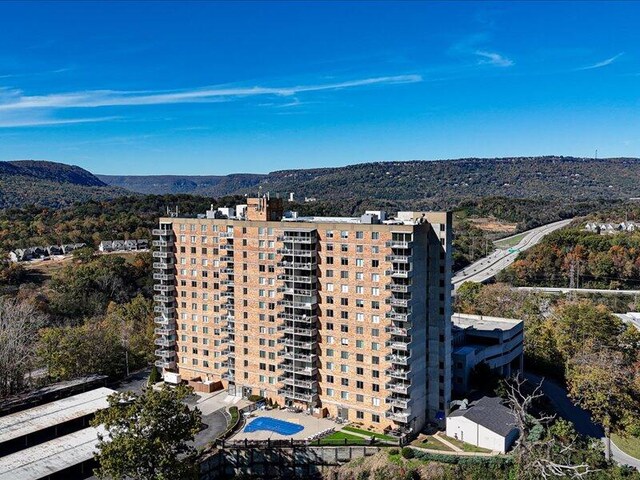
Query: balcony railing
{"type": "Point", "coordinates": [303, 397]}
{"type": "Point", "coordinates": [225, 234]}
{"type": "Point", "coordinates": [398, 345]}
{"type": "Point", "coordinates": [305, 332]}
{"type": "Point", "coordinates": [163, 309]}
{"type": "Point", "coordinates": [163, 330]}
{"type": "Point", "coordinates": [398, 302]}
{"type": "Point", "coordinates": [161, 232]}
{"type": "Point", "coordinates": [398, 258]}
{"type": "Point", "coordinates": [395, 287]}
{"type": "Point", "coordinates": [398, 317]}
{"type": "Point", "coordinates": [306, 371]}
{"type": "Point", "coordinates": [163, 265]}
{"type": "Point", "coordinates": [165, 364]}
{"type": "Point", "coordinates": [401, 388]}
{"type": "Point", "coordinates": [398, 402]}
{"type": "Point", "coordinates": [305, 292]}
{"type": "Point", "coordinates": [398, 359]}
{"type": "Point", "coordinates": [165, 342]}
{"type": "Point", "coordinates": [297, 239]}
{"type": "Point", "coordinates": [298, 265]}
{"type": "Point", "coordinates": [302, 357]}
{"type": "Point", "coordinates": [402, 417]}
{"type": "Point", "coordinates": [162, 298]}
{"type": "Point", "coordinates": [165, 353]}
{"type": "Point", "coordinates": [296, 304]}
{"type": "Point", "coordinates": [312, 278]}
{"type": "Point", "coordinates": [298, 383]}
{"type": "Point", "coordinates": [164, 276]}
{"type": "Point", "coordinates": [290, 342]}
{"type": "Point", "coordinates": [163, 288]}
{"type": "Point", "coordinates": [162, 254]}
{"type": "Point", "coordinates": [229, 377]}
{"type": "Point", "coordinates": [395, 273]}
{"type": "Point", "coordinates": [163, 321]}
{"type": "Point", "coordinates": [162, 243]}
{"type": "Point", "coordinates": [399, 244]}
{"type": "Point", "coordinates": [226, 258]}
{"type": "Point", "coordinates": [397, 373]}
{"type": "Point", "coordinates": [396, 330]}
{"type": "Point", "coordinates": [296, 253]}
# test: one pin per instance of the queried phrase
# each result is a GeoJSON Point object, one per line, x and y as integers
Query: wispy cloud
{"type": "Point", "coordinates": [603, 63]}
{"type": "Point", "coordinates": [38, 122]}
{"type": "Point", "coordinates": [493, 58]}
{"type": "Point", "coordinates": [13, 100]}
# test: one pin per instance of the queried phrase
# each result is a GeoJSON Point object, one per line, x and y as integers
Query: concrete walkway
{"type": "Point", "coordinates": [580, 418]}
{"type": "Point", "coordinates": [438, 436]}
{"type": "Point", "coordinates": [460, 453]}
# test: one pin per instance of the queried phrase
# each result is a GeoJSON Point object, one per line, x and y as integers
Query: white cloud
{"type": "Point", "coordinates": [13, 100]}
{"type": "Point", "coordinates": [603, 63]}
{"type": "Point", "coordinates": [493, 58]}
{"type": "Point", "coordinates": [39, 121]}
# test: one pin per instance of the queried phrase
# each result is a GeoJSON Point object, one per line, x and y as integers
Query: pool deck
{"type": "Point", "coordinates": [312, 425]}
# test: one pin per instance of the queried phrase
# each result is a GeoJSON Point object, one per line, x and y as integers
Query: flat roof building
{"type": "Point", "coordinates": [498, 342]}
{"type": "Point", "coordinates": [341, 316]}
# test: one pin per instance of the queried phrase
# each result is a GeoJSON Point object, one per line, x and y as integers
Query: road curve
{"type": "Point", "coordinates": [487, 267]}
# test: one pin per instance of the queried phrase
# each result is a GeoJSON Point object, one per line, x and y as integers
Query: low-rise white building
{"type": "Point", "coordinates": [498, 342]}
{"type": "Point", "coordinates": [485, 423]}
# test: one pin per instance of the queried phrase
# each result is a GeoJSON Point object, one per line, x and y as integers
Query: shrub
{"type": "Point", "coordinates": [407, 452]}
{"type": "Point", "coordinates": [255, 398]}
{"type": "Point", "coordinates": [154, 377]}
{"type": "Point", "coordinates": [394, 451]}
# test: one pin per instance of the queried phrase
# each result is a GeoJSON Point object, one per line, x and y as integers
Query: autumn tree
{"type": "Point", "coordinates": [148, 436]}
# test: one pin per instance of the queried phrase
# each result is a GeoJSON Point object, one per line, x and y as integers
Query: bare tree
{"type": "Point", "coordinates": [540, 457]}
{"type": "Point", "coordinates": [19, 324]}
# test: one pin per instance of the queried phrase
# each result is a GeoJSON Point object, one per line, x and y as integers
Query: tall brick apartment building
{"type": "Point", "coordinates": [345, 317]}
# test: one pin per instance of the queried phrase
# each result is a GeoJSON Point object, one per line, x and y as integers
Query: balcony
{"type": "Point", "coordinates": [302, 397]}
{"type": "Point", "coordinates": [161, 352]}
{"type": "Point", "coordinates": [311, 278]}
{"type": "Point", "coordinates": [225, 234]}
{"type": "Point", "coordinates": [296, 253]}
{"type": "Point", "coordinates": [403, 403]}
{"type": "Point", "coordinates": [165, 342]}
{"type": "Point", "coordinates": [229, 377]}
{"type": "Point", "coordinates": [228, 294]}
{"type": "Point", "coordinates": [289, 342]}
{"type": "Point", "coordinates": [162, 298]}
{"type": "Point", "coordinates": [161, 232]}
{"type": "Point", "coordinates": [163, 309]}
{"type": "Point", "coordinates": [401, 388]}
{"type": "Point", "coordinates": [398, 373]}
{"type": "Point", "coordinates": [296, 304]}
{"type": "Point", "coordinates": [296, 291]}
{"type": "Point", "coordinates": [167, 277]}
{"type": "Point", "coordinates": [163, 330]}
{"type": "Point", "coordinates": [295, 382]}
{"type": "Point", "coordinates": [398, 258]}
{"type": "Point", "coordinates": [398, 359]}
{"type": "Point", "coordinates": [305, 332]}
{"type": "Point", "coordinates": [292, 317]}
{"type": "Point", "coordinates": [226, 246]}
{"type": "Point", "coordinates": [306, 371]}
{"type": "Point", "coordinates": [227, 270]}
{"type": "Point", "coordinates": [399, 244]}
{"type": "Point", "coordinates": [162, 254]}
{"type": "Point", "coordinates": [402, 417]}
{"type": "Point", "coordinates": [163, 265]}
{"type": "Point", "coordinates": [163, 321]}
{"type": "Point", "coordinates": [163, 288]}
{"type": "Point", "coordinates": [395, 287]}
{"type": "Point", "coordinates": [396, 273]}
{"type": "Point", "coordinates": [165, 364]}
{"type": "Point", "coordinates": [300, 357]}
{"type": "Point", "coordinates": [298, 265]}
{"type": "Point", "coordinates": [397, 345]}
{"type": "Point", "coordinates": [162, 243]}
{"type": "Point", "coordinates": [398, 302]}
{"type": "Point", "coordinates": [228, 352]}
{"type": "Point", "coordinates": [297, 239]}
{"type": "Point", "coordinates": [226, 258]}
{"type": "Point", "coordinates": [230, 340]}
{"type": "Point", "coordinates": [396, 330]}
{"type": "Point", "coordinates": [398, 317]}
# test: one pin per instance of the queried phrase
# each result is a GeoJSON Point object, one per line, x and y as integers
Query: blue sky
{"type": "Point", "coordinates": [216, 88]}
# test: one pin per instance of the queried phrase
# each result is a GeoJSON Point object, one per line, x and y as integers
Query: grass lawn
{"type": "Point", "coordinates": [338, 438]}
{"type": "Point", "coordinates": [466, 447]}
{"type": "Point", "coordinates": [432, 444]}
{"type": "Point", "coordinates": [509, 242]}
{"type": "Point", "coordinates": [380, 436]}
{"type": "Point", "coordinates": [629, 445]}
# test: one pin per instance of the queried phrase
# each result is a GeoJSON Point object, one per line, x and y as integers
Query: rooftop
{"type": "Point", "coordinates": [54, 413]}
{"type": "Point", "coordinates": [490, 413]}
{"type": "Point", "coordinates": [47, 458]}
{"type": "Point", "coordinates": [483, 322]}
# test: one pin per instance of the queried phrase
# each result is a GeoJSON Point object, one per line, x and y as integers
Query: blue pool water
{"type": "Point", "coordinates": [273, 425]}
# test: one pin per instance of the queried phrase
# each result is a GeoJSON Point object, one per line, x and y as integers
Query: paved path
{"type": "Point", "coordinates": [488, 267]}
{"type": "Point", "coordinates": [438, 436]}
{"type": "Point", "coordinates": [579, 417]}
{"type": "Point", "coordinates": [460, 454]}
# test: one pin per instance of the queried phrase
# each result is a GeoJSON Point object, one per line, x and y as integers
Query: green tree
{"type": "Point", "coordinates": [147, 436]}
{"type": "Point", "coordinates": [600, 382]}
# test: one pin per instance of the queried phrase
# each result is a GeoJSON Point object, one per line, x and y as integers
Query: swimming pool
{"type": "Point", "coordinates": [273, 425]}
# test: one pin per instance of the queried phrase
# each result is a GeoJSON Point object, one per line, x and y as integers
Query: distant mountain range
{"type": "Point", "coordinates": [430, 182]}
{"type": "Point", "coordinates": [422, 184]}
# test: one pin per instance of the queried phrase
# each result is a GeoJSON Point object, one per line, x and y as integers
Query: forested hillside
{"type": "Point", "coordinates": [425, 184]}
{"type": "Point", "coordinates": [49, 184]}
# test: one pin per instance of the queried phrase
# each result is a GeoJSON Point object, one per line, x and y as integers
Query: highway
{"type": "Point", "coordinates": [580, 290]}
{"type": "Point", "coordinates": [488, 267]}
